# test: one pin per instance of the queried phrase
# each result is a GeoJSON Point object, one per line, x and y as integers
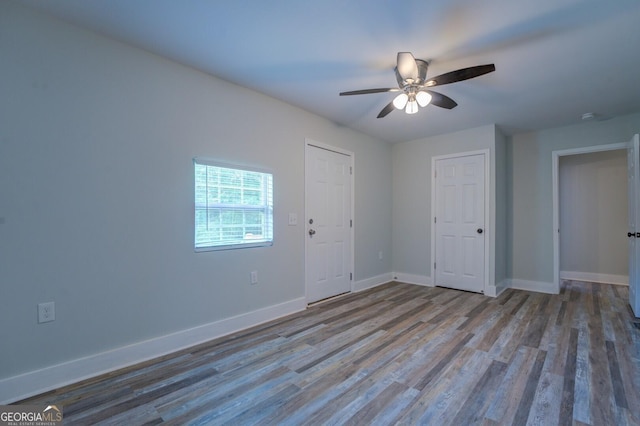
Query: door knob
{"type": "Point", "coordinates": [479, 231]}
{"type": "Point", "coordinates": [630, 234]}
{"type": "Point", "coordinates": [311, 232]}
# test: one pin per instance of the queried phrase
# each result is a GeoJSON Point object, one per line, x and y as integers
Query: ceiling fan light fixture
{"type": "Point", "coordinates": [423, 98]}
{"type": "Point", "coordinates": [412, 107]}
{"type": "Point", "coordinates": [415, 89]}
{"type": "Point", "coordinates": [400, 101]}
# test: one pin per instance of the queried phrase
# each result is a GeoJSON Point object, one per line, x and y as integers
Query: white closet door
{"type": "Point", "coordinates": [460, 222]}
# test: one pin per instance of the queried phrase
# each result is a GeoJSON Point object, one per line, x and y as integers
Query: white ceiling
{"type": "Point", "coordinates": [555, 59]}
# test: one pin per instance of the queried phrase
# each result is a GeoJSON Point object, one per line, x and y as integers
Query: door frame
{"type": "Point", "coordinates": [489, 218]}
{"type": "Point", "coordinates": [555, 169]}
{"type": "Point", "coordinates": [312, 143]}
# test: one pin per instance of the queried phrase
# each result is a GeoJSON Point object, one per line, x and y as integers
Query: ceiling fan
{"type": "Point", "coordinates": [411, 74]}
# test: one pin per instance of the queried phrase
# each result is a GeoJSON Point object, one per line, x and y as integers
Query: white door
{"type": "Point", "coordinates": [633, 160]}
{"type": "Point", "coordinates": [460, 223]}
{"type": "Point", "coordinates": [328, 223]}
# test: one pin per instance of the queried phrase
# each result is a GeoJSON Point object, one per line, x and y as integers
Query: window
{"type": "Point", "coordinates": [233, 207]}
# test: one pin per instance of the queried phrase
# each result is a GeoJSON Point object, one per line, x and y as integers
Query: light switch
{"type": "Point", "coordinates": [293, 219]}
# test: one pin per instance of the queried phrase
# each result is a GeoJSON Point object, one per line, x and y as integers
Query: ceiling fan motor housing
{"type": "Point", "coordinates": [419, 81]}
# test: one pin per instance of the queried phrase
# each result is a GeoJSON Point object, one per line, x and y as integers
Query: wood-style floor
{"type": "Point", "coordinates": [395, 354]}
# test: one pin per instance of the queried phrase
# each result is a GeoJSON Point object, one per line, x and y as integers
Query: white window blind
{"type": "Point", "coordinates": [233, 207]}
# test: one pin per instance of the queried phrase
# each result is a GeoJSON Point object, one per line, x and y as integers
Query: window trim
{"type": "Point", "coordinates": [228, 165]}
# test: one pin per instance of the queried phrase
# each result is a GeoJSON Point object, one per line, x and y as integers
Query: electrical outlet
{"type": "Point", "coordinates": [46, 312]}
{"type": "Point", "coordinates": [254, 277]}
{"type": "Point", "coordinates": [380, 255]}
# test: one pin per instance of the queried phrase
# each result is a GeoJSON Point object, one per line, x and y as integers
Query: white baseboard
{"type": "Point", "coordinates": [412, 279]}
{"type": "Point", "coordinates": [492, 290]}
{"type": "Point", "coordinates": [595, 277]}
{"type": "Point", "coordinates": [372, 282]}
{"type": "Point", "coordinates": [495, 290]}
{"type": "Point", "coordinates": [15, 388]}
{"type": "Point", "coordinates": [538, 286]}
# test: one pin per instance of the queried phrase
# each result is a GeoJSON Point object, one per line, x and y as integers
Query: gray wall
{"type": "Point", "coordinates": [530, 211]}
{"type": "Point", "coordinates": [593, 213]}
{"type": "Point", "coordinates": [412, 193]}
{"type": "Point", "coordinates": [501, 203]}
{"type": "Point", "coordinates": [523, 191]}
{"type": "Point", "coordinates": [96, 193]}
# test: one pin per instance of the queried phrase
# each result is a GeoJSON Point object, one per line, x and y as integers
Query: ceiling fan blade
{"type": "Point", "coordinates": [367, 91]}
{"type": "Point", "coordinates": [460, 75]}
{"type": "Point", "coordinates": [386, 110]}
{"type": "Point", "coordinates": [443, 101]}
{"type": "Point", "coordinates": [407, 67]}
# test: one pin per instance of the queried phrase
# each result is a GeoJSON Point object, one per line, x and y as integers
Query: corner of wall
{"type": "Point", "coordinates": [536, 286]}
{"type": "Point", "coordinates": [424, 280]}
{"type": "Point", "coordinates": [371, 282]}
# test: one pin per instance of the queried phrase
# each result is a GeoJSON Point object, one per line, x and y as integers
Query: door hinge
{"type": "Point", "coordinates": [350, 223]}
{"type": "Point", "coordinates": [350, 276]}
{"type": "Point", "coordinates": [350, 170]}
{"type": "Point", "coordinates": [434, 265]}
{"type": "Point", "coordinates": [435, 173]}
{"type": "Point", "coordinates": [435, 220]}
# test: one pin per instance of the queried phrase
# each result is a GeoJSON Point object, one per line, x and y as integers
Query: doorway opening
{"type": "Point", "coordinates": [572, 156]}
